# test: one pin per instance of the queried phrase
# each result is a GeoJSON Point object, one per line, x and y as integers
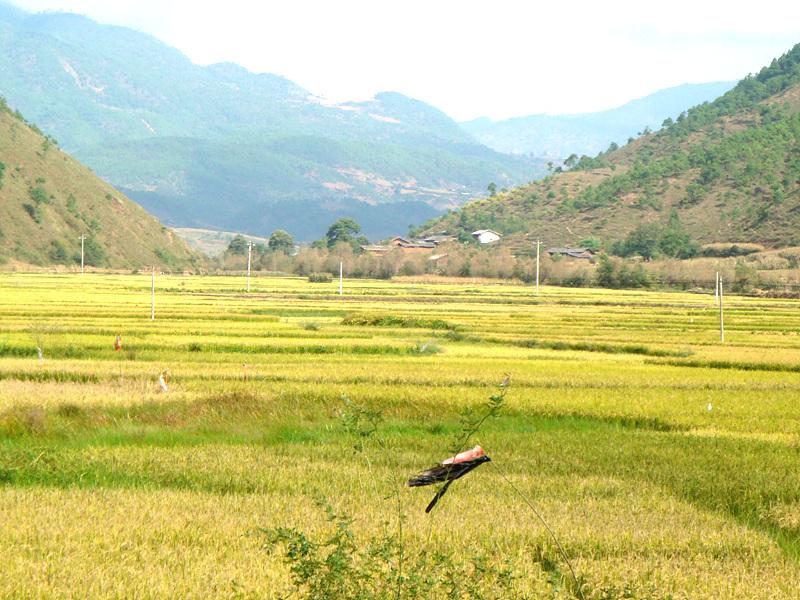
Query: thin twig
{"type": "Point", "coordinates": [546, 526]}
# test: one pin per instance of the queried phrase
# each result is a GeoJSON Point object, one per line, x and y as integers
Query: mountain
{"type": "Point", "coordinates": [48, 200]}
{"type": "Point", "coordinates": [725, 171]}
{"type": "Point", "coordinates": [555, 137]}
{"type": "Point", "coordinates": [223, 148]}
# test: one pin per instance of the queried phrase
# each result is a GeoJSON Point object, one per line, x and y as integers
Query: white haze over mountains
{"type": "Point", "coordinates": [467, 57]}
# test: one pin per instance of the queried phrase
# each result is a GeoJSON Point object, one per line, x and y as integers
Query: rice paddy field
{"type": "Point", "coordinates": [667, 463]}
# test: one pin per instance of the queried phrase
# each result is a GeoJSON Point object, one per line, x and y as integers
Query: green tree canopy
{"type": "Point", "coordinates": [591, 243]}
{"type": "Point", "coordinates": [675, 240]}
{"type": "Point", "coordinates": [652, 239]}
{"type": "Point", "coordinates": [238, 245]}
{"type": "Point", "coordinates": [643, 241]}
{"type": "Point", "coordinates": [343, 229]}
{"type": "Point", "coordinates": [280, 241]}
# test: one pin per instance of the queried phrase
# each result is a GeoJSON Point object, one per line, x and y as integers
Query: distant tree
{"type": "Point", "coordinates": [571, 161]}
{"type": "Point", "coordinates": [360, 241]}
{"type": "Point", "coordinates": [644, 241]}
{"type": "Point", "coordinates": [591, 243]}
{"type": "Point", "coordinates": [238, 245]}
{"type": "Point", "coordinates": [612, 147]}
{"type": "Point", "coordinates": [2, 172]}
{"type": "Point", "coordinates": [492, 188]}
{"type": "Point", "coordinates": [667, 122]}
{"type": "Point", "coordinates": [605, 274]}
{"type": "Point", "coordinates": [94, 253]}
{"type": "Point", "coordinates": [676, 241]}
{"type": "Point", "coordinates": [280, 241]}
{"type": "Point", "coordinates": [72, 205]}
{"type": "Point", "coordinates": [343, 229]}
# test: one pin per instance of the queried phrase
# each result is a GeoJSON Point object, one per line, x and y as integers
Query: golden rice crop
{"type": "Point", "coordinates": [665, 461]}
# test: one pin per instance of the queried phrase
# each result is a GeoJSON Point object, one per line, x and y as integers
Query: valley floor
{"type": "Point", "coordinates": [665, 461]}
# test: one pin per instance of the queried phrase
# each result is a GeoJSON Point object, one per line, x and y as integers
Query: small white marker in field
{"type": "Point", "coordinates": [162, 381]}
{"type": "Point", "coordinates": [40, 353]}
{"type": "Point", "coordinates": [709, 407]}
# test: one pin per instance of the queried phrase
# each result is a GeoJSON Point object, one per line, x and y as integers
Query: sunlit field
{"type": "Point", "coordinates": [666, 462]}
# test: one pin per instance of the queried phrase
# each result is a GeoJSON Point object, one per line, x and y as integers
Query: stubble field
{"type": "Point", "coordinates": [667, 463]}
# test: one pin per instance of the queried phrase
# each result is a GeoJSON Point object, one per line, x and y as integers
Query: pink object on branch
{"type": "Point", "coordinates": [465, 456]}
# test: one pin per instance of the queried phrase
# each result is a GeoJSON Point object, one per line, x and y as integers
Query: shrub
{"type": "Point", "coordinates": [33, 212]}
{"type": "Point", "coordinates": [340, 566]}
{"type": "Point", "coordinates": [745, 277]}
{"type": "Point", "coordinates": [320, 278]}
{"type": "Point", "coordinates": [39, 195]}
{"type": "Point", "coordinates": [58, 253]}
{"type": "Point", "coordinates": [72, 205]}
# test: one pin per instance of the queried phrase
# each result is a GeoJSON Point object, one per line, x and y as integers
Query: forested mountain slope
{"type": "Point", "coordinates": [724, 171]}
{"type": "Point", "coordinates": [222, 147]}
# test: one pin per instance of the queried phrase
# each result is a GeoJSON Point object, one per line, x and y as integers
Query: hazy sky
{"type": "Point", "coordinates": [499, 58]}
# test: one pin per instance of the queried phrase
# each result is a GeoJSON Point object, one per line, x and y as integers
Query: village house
{"type": "Point", "coordinates": [440, 238]}
{"type": "Point", "coordinates": [580, 253]}
{"type": "Point", "coordinates": [486, 236]}
{"type": "Point", "coordinates": [403, 244]}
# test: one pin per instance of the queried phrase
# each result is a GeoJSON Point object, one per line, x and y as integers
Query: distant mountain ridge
{"type": "Point", "coordinates": [224, 148]}
{"type": "Point", "coordinates": [555, 137]}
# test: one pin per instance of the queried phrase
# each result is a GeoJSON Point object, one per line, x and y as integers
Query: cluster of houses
{"type": "Point", "coordinates": [428, 244]}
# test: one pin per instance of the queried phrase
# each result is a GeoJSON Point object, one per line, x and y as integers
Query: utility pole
{"type": "Point", "coordinates": [716, 288]}
{"type": "Point", "coordinates": [249, 256]}
{"type": "Point", "coordinates": [721, 314]}
{"type": "Point", "coordinates": [538, 243]}
{"type": "Point", "coordinates": [82, 239]}
{"type": "Point", "coordinates": [153, 297]}
{"type": "Point", "coordinates": [341, 268]}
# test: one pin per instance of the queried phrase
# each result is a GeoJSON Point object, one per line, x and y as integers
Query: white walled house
{"type": "Point", "coordinates": [486, 236]}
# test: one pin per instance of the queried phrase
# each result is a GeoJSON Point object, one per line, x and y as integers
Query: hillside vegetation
{"type": "Point", "coordinates": [220, 147]}
{"type": "Point", "coordinates": [48, 200]}
{"type": "Point", "coordinates": [723, 171]}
